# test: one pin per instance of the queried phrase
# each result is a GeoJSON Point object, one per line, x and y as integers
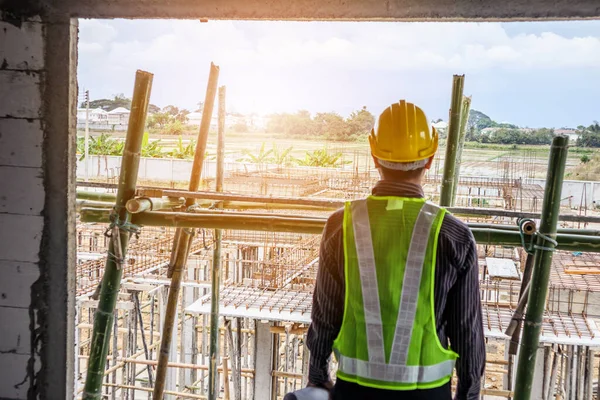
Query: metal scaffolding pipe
{"type": "Point", "coordinates": [111, 280]}
{"type": "Point", "coordinates": [452, 142]}
{"type": "Point", "coordinates": [184, 236]}
{"type": "Point", "coordinates": [546, 243]}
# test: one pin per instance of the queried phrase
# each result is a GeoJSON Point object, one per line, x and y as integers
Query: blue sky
{"type": "Point", "coordinates": [529, 73]}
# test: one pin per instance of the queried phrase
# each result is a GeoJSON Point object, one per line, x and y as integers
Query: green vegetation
{"type": "Point", "coordinates": [151, 149]}
{"type": "Point", "coordinates": [118, 100]}
{"type": "Point", "coordinates": [589, 136]}
{"type": "Point", "coordinates": [324, 125]}
{"type": "Point", "coordinates": [170, 120]}
{"type": "Point", "coordinates": [586, 171]}
{"type": "Point", "coordinates": [479, 121]}
{"type": "Point", "coordinates": [182, 151]}
{"type": "Point", "coordinates": [321, 158]}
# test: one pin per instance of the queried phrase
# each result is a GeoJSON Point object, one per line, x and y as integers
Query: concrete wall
{"type": "Point", "coordinates": [332, 9]}
{"type": "Point", "coordinates": [577, 189]}
{"type": "Point", "coordinates": [34, 214]}
{"type": "Point", "coordinates": [160, 169]}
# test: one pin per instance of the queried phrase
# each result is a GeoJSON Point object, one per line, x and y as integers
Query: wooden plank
{"type": "Point", "coordinates": [575, 270]}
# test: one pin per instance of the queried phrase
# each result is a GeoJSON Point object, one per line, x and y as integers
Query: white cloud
{"type": "Point", "coordinates": [267, 64]}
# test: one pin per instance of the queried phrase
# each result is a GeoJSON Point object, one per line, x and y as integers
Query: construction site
{"type": "Point", "coordinates": [242, 250]}
{"type": "Point", "coordinates": [128, 288]}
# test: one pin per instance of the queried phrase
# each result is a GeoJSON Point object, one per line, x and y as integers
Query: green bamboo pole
{"type": "Point", "coordinates": [213, 381]}
{"type": "Point", "coordinates": [111, 281]}
{"type": "Point", "coordinates": [313, 225]}
{"type": "Point", "coordinates": [464, 119]}
{"type": "Point", "coordinates": [93, 204]}
{"type": "Point", "coordinates": [541, 269]}
{"type": "Point", "coordinates": [98, 196]}
{"type": "Point", "coordinates": [452, 141]}
{"type": "Point", "coordinates": [183, 238]}
{"type": "Point", "coordinates": [141, 204]}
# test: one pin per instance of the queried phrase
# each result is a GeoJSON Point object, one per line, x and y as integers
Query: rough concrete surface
{"type": "Point", "coordinates": [334, 9]}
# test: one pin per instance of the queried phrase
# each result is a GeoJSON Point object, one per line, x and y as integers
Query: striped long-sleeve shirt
{"type": "Point", "coordinates": [456, 297]}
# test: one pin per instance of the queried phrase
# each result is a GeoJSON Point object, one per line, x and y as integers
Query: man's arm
{"type": "Point", "coordinates": [465, 326]}
{"type": "Point", "coordinates": [328, 301]}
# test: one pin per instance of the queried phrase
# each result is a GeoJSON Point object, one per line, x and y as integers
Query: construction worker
{"type": "Point", "coordinates": [397, 292]}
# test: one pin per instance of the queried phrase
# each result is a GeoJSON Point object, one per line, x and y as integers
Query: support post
{"type": "Point", "coordinates": [216, 265]}
{"type": "Point", "coordinates": [86, 141]}
{"type": "Point", "coordinates": [184, 237]}
{"type": "Point", "coordinates": [452, 141]}
{"type": "Point", "coordinates": [541, 271]}
{"type": "Point", "coordinates": [263, 380]}
{"type": "Point", "coordinates": [111, 280]}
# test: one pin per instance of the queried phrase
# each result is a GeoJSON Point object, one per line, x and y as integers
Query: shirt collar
{"type": "Point", "coordinates": [395, 188]}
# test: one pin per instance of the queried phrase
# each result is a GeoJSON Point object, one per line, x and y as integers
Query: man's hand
{"type": "Point", "coordinates": [326, 385]}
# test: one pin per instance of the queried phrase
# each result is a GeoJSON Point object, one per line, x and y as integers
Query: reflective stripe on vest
{"type": "Point", "coordinates": [397, 369]}
{"type": "Point", "coordinates": [395, 373]}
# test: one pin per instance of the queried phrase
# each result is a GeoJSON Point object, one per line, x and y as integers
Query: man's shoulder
{"type": "Point", "coordinates": [335, 222]}
{"type": "Point", "coordinates": [455, 229]}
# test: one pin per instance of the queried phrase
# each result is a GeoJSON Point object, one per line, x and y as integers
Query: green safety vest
{"type": "Point", "coordinates": [388, 338]}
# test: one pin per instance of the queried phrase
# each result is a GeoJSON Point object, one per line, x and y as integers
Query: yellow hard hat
{"type": "Point", "coordinates": [402, 134]}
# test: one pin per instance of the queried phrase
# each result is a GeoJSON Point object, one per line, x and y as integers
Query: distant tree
{"type": "Point", "coordinates": [360, 123]}
{"type": "Point", "coordinates": [182, 115]}
{"type": "Point", "coordinates": [200, 107]}
{"type": "Point", "coordinates": [171, 110]}
{"type": "Point", "coordinates": [332, 126]}
{"type": "Point", "coordinates": [119, 100]}
{"type": "Point", "coordinates": [158, 120]}
{"type": "Point", "coordinates": [589, 136]}
{"type": "Point", "coordinates": [478, 121]}
{"type": "Point", "coordinates": [152, 109]}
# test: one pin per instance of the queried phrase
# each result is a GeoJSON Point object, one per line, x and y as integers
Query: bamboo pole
{"type": "Point", "coordinates": [141, 204]}
{"type": "Point", "coordinates": [183, 237]}
{"type": "Point", "coordinates": [464, 119]}
{"type": "Point", "coordinates": [213, 391]}
{"type": "Point", "coordinates": [452, 142]}
{"type": "Point", "coordinates": [98, 196]}
{"type": "Point", "coordinates": [239, 201]}
{"type": "Point", "coordinates": [541, 270]}
{"type": "Point", "coordinates": [111, 280]}
{"type": "Point", "coordinates": [281, 223]}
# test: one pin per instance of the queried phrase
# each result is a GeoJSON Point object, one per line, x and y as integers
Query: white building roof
{"type": "Point", "coordinates": [119, 110]}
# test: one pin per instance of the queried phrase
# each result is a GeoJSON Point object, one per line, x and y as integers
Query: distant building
{"type": "Point", "coordinates": [571, 133]}
{"type": "Point", "coordinates": [194, 118]}
{"type": "Point", "coordinates": [440, 125]}
{"type": "Point", "coordinates": [118, 116]}
{"type": "Point", "coordinates": [97, 115]}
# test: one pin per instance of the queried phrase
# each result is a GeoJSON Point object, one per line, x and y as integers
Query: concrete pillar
{"type": "Point", "coordinates": [263, 362]}
{"type": "Point", "coordinates": [37, 252]}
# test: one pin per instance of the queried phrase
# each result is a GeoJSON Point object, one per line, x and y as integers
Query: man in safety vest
{"type": "Point", "coordinates": [397, 292]}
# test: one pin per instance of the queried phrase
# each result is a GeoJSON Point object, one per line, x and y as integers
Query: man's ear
{"type": "Point", "coordinates": [428, 165]}
{"type": "Point", "coordinates": [376, 161]}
